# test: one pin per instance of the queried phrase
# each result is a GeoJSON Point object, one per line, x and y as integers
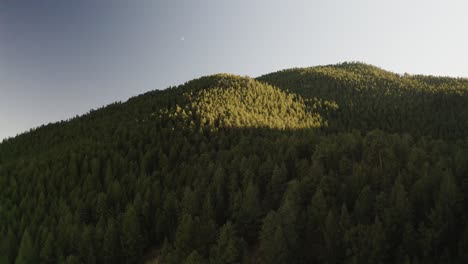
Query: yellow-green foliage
{"type": "Point", "coordinates": [232, 101]}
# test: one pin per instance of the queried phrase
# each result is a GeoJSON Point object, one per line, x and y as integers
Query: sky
{"type": "Point", "coordinates": [61, 58]}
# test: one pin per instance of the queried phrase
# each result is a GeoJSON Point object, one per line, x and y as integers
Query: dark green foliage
{"type": "Point", "coordinates": [8, 247]}
{"type": "Point", "coordinates": [273, 247]}
{"type": "Point", "coordinates": [370, 98]}
{"type": "Point", "coordinates": [360, 166]}
{"type": "Point", "coordinates": [228, 247]}
{"type": "Point", "coordinates": [47, 253]}
{"type": "Point", "coordinates": [249, 212]}
{"type": "Point", "coordinates": [194, 258]}
{"type": "Point", "coordinates": [110, 243]}
{"type": "Point", "coordinates": [132, 236]}
{"type": "Point", "coordinates": [185, 236]}
{"type": "Point", "coordinates": [26, 252]}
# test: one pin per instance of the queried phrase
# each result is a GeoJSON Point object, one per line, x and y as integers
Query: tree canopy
{"type": "Point", "coordinates": [343, 163]}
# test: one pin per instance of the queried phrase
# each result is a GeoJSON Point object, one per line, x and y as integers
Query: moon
{"type": "Point", "coordinates": [182, 38]}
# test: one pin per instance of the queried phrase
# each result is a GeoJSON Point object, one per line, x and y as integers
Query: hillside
{"type": "Point", "coordinates": [342, 163]}
{"type": "Point", "coordinates": [371, 98]}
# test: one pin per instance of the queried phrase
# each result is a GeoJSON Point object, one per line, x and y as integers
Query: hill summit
{"type": "Point", "coordinates": [371, 98]}
{"type": "Point", "coordinates": [230, 101]}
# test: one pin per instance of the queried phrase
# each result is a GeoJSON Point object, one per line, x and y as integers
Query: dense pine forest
{"type": "Point", "coordinates": [343, 163]}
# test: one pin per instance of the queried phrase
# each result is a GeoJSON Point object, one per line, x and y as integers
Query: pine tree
{"type": "Point", "coordinates": [8, 244]}
{"type": "Point", "coordinates": [26, 252]}
{"type": "Point", "coordinates": [228, 247]}
{"type": "Point", "coordinates": [363, 207]}
{"type": "Point", "coordinates": [249, 213]}
{"type": "Point", "coordinates": [316, 214]}
{"type": "Point", "coordinates": [194, 258]}
{"type": "Point", "coordinates": [86, 246]}
{"type": "Point", "coordinates": [184, 240]}
{"type": "Point", "coordinates": [47, 253]}
{"type": "Point", "coordinates": [72, 260]}
{"type": "Point", "coordinates": [331, 235]}
{"type": "Point", "coordinates": [276, 186]}
{"type": "Point", "coordinates": [132, 241]}
{"type": "Point", "coordinates": [290, 220]}
{"type": "Point", "coordinates": [110, 247]}
{"type": "Point", "coordinates": [463, 246]}
{"type": "Point", "coordinates": [378, 242]}
{"type": "Point", "coordinates": [273, 248]}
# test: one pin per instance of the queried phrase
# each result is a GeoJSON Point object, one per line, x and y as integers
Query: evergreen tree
{"type": "Point", "coordinates": [26, 252]}
{"type": "Point", "coordinates": [86, 245]}
{"type": "Point", "coordinates": [249, 213]}
{"type": "Point", "coordinates": [111, 247]}
{"type": "Point", "coordinates": [8, 246]}
{"type": "Point", "coordinates": [194, 258]}
{"type": "Point", "coordinates": [47, 253]}
{"type": "Point", "coordinates": [331, 235]}
{"type": "Point", "coordinates": [184, 240]}
{"type": "Point", "coordinates": [72, 260]}
{"type": "Point", "coordinates": [228, 247]}
{"type": "Point", "coordinates": [132, 242]}
{"type": "Point", "coordinates": [273, 248]}
{"type": "Point", "coordinates": [276, 186]}
{"type": "Point", "coordinates": [363, 208]}
{"type": "Point", "coordinates": [316, 214]}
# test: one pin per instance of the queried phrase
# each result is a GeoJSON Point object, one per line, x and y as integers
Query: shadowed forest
{"type": "Point", "coordinates": [343, 163]}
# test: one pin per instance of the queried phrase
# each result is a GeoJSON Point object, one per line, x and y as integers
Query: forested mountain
{"type": "Point", "coordinates": [371, 98]}
{"type": "Point", "coordinates": [343, 163]}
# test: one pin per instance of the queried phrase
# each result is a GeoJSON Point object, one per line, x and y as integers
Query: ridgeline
{"type": "Point", "coordinates": [342, 163]}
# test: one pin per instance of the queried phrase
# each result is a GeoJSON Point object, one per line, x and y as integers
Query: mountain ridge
{"type": "Point", "coordinates": [339, 97]}
{"type": "Point", "coordinates": [303, 70]}
{"type": "Point", "coordinates": [291, 167]}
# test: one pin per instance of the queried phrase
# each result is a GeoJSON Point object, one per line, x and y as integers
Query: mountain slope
{"type": "Point", "coordinates": [294, 167]}
{"type": "Point", "coordinates": [371, 98]}
{"type": "Point", "coordinates": [236, 102]}
{"type": "Point", "coordinates": [214, 101]}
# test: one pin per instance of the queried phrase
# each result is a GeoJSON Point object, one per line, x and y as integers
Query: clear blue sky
{"type": "Point", "coordinates": [61, 58]}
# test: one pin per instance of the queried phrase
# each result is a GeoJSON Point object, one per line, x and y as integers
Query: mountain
{"type": "Point", "coordinates": [371, 98]}
{"type": "Point", "coordinates": [342, 163]}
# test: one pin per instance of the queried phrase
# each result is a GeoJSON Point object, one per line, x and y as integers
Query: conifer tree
{"type": "Point", "coordinates": [47, 253]}
{"type": "Point", "coordinates": [273, 248]}
{"type": "Point", "coordinates": [184, 240]}
{"type": "Point", "coordinates": [111, 242]}
{"type": "Point", "coordinates": [249, 212]}
{"type": "Point", "coordinates": [228, 247]}
{"type": "Point", "coordinates": [8, 246]}
{"type": "Point", "coordinates": [26, 252]}
{"type": "Point", "coordinates": [132, 241]}
{"type": "Point", "coordinates": [194, 258]}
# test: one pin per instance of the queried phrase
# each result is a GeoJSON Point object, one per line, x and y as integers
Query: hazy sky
{"type": "Point", "coordinates": [59, 58]}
